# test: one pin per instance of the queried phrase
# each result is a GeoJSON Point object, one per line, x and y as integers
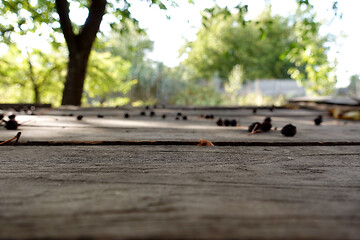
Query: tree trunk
{"type": "Point", "coordinates": [75, 78]}
{"type": "Point", "coordinates": [79, 46]}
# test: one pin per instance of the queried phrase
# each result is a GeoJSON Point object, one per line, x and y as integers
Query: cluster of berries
{"type": "Point", "coordinates": [288, 130]}
{"type": "Point", "coordinates": [226, 122]}
{"type": "Point", "coordinates": [260, 127]}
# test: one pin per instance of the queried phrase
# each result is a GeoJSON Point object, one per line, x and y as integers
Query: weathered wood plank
{"type": "Point", "coordinates": [172, 192]}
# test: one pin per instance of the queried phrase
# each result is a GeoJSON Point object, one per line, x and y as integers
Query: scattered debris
{"type": "Point", "coordinates": [233, 123]}
{"type": "Point", "coordinates": [254, 127]}
{"type": "Point", "coordinates": [318, 120]}
{"type": "Point", "coordinates": [257, 127]}
{"type": "Point", "coordinates": [226, 122]}
{"type": "Point", "coordinates": [11, 124]}
{"type": "Point", "coordinates": [17, 137]}
{"type": "Point", "coordinates": [288, 130]}
{"type": "Point", "coordinates": [266, 125]}
{"type": "Point", "coordinates": [204, 142]}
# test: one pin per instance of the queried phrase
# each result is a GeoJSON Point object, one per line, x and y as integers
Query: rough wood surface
{"type": "Point", "coordinates": [56, 125]}
{"type": "Point", "coordinates": [179, 192]}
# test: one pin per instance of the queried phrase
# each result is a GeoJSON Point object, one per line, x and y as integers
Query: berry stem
{"type": "Point", "coordinates": [9, 140]}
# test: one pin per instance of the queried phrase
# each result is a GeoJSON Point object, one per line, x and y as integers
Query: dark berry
{"type": "Point", "coordinates": [254, 126]}
{"type": "Point", "coordinates": [11, 124]}
{"type": "Point", "coordinates": [126, 115]}
{"type": "Point", "coordinates": [185, 117]}
{"type": "Point", "coordinates": [207, 116]}
{"type": "Point", "coordinates": [318, 120]}
{"type": "Point", "coordinates": [177, 118]}
{"type": "Point", "coordinates": [254, 110]}
{"type": "Point", "coordinates": [179, 114]}
{"type": "Point", "coordinates": [147, 107]}
{"type": "Point", "coordinates": [233, 123]}
{"type": "Point", "coordinates": [267, 119]}
{"type": "Point", "coordinates": [100, 116]}
{"type": "Point", "coordinates": [266, 126]}
{"type": "Point", "coordinates": [79, 117]}
{"type": "Point", "coordinates": [226, 122]}
{"type": "Point", "coordinates": [288, 130]}
{"type": "Point", "coordinates": [143, 114]}
{"type": "Point", "coordinates": [152, 114]}
{"type": "Point", "coordinates": [219, 122]}
{"type": "Point", "coordinates": [163, 116]}
{"type": "Point", "coordinates": [71, 114]}
{"type": "Point", "coordinates": [211, 116]}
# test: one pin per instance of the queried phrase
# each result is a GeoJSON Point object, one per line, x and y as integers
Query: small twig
{"type": "Point", "coordinates": [253, 132]}
{"type": "Point", "coordinates": [16, 137]}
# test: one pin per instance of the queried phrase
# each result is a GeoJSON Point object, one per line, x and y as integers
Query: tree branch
{"type": "Point", "coordinates": [92, 24]}
{"type": "Point", "coordinates": [62, 7]}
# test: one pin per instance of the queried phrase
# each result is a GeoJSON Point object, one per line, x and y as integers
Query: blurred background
{"type": "Point", "coordinates": [199, 53]}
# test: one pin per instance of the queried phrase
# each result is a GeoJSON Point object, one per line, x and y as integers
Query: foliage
{"type": "Point", "coordinates": [266, 47]}
{"type": "Point", "coordinates": [28, 16]}
{"type": "Point", "coordinates": [22, 16]}
{"type": "Point", "coordinates": [308, 51]}
{"type": "Point", "coordinates": [354, 85]}
{"type": "Point", "coordinates": [129, 42]}
{"type": "Point", "coordinates": [226, 41]}
{"type": "Point", "coordinates": [232, 87]}
{"type": "Point", "coordinates": [195, 95]}
{"type": "Point", "coordinates": [106, 79]}
{"type": "Point", "coordinates": [255, 99]}
{"type": "Point", "coordinates": [35, 77]}
{"type": "Point", "coordinates": [38, 77]}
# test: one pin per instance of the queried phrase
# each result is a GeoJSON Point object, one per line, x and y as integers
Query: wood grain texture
{"type": "Point", "coordinates": [179, 192]}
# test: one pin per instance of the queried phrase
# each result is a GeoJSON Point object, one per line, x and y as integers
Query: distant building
{"type": "Point", "coordinates": [273, 87]}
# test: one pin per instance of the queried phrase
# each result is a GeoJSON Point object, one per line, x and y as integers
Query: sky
{"type": "Point", "coordinates": [170, 34]}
